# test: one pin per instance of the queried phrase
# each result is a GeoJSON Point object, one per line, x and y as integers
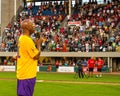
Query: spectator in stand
{"type": "Point", "coordinates": [100, 63]}
{"type": "Point", "coordinates": [66, 63]}
{"type": "Point", "coordinates": [64, 47]}
{"type": "Point", "coordinates": [98, 25]}
{"type": "Point", "coordinates": [3, 46]}
{"type": "Point", "coordinates": [57, 64]}
{"type": "Point", "coordinates": [91, 64]}
{"type": "Point", "coordinates": [5, 62]}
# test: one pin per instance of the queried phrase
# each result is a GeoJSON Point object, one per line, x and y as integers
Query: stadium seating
{"type": "Point", "coordinates": [96, 33]}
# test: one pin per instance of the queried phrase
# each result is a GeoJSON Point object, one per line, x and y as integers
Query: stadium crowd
{"type": "Point", "coordinates": [97, 30]}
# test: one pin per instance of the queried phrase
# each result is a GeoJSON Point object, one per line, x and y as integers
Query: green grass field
{"type": "Point", "coordinates": [59, 84]}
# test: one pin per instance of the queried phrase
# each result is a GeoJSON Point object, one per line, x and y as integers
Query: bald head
{"type": "Point", "coordinates": [27, 25]}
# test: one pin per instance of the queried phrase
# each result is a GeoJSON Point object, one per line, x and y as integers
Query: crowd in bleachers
{"type": "Point", "coordinates": [47, 17]}
{"type": "Point", "coordinates": [96, 32]}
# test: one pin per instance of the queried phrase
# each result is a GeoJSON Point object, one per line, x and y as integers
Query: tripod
{"type": "Point", "coordinates": [76, 72]}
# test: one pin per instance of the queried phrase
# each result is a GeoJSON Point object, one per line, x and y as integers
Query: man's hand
{"type": "Point", "coordinates": [38, 41]}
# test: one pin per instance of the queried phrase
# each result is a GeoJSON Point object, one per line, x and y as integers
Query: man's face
{"type": "Point", "coordinates": [31, 28]}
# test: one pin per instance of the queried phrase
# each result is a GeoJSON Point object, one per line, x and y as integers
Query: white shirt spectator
{"type": "Point", "coordinates": [108, 11]}
{"type": "Point", "coordinates": [82, 28]}
{"type": "Point", "coordinates": [68, 17]}
{"type": "Point", "coordinates": [112, 11]}
{"type": "Point", "coordinates": [87, 47]}
{"type": "Point", "coordinates": [87, 23]}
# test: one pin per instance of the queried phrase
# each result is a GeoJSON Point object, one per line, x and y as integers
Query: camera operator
{"type": "Point", "coordinates": [80, 69]}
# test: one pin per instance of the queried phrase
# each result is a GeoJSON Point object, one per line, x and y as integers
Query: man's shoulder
{"type": "Point", "coordinates": [25, 38]}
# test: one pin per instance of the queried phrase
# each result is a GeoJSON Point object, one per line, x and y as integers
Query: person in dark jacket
{"type": "Point", "coordinates": [80, 69]}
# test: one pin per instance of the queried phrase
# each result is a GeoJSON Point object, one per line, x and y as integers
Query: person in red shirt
{"type": "Point", "coordinates": [100, 63]}
{"type": "Point", "coordinates": [57, 65]}
{"type": "Point", "coordinates": [91, 64]}
{"type": "Point", "coordinates": [64, 48]}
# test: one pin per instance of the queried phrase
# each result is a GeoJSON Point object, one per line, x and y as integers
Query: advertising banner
{"type": "Point", "coordinates": [11, 68]}
{"type": "Point", "coordinates": [65, 69]}
{"type": "Point", "coordinates": [74, 23]}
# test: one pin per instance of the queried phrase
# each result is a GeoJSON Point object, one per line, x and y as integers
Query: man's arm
{"type": "Point", "coordinates": [37, 56]}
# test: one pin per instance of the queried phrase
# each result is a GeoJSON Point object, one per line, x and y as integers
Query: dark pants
{"type": "Point", "coordinates": [80, 73]}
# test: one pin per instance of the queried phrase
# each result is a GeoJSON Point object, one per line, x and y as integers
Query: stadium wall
{"type": "Point", "coordinates": [112, 57]}
{"type": "Point", "coordinates": [70, 54]}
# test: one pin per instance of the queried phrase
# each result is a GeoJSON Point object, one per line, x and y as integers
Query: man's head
{"type": "Point", "coordinates": [28, 25]}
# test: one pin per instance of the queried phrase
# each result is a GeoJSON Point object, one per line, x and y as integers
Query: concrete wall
{"type": "Point", "coordinates": [70, 54]}
{"type": "Point", "coordinates": [7, 11]}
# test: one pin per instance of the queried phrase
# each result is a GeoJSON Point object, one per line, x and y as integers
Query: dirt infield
{"type": "Point", "coordinates": [72, 82]}
{"type": "Point", "coordinates": [57, 81]}
{"type": "Point", "coordinates": [113, 73]}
